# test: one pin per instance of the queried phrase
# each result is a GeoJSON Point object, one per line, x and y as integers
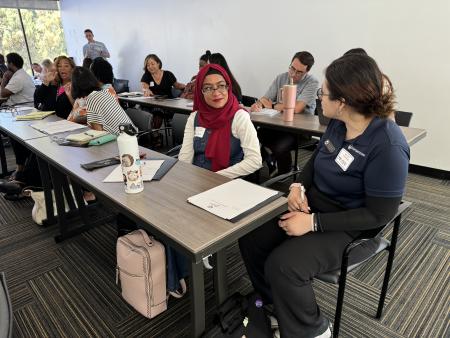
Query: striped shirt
{"type": "Point", "coordinates": [103, 109]}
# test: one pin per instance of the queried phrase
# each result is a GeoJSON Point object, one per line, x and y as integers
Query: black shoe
{"type": "Point", "coordinates": [11, 187]}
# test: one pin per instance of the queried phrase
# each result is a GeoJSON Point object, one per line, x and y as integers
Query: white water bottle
{"type": "Point", "coordinates": [129, 159]}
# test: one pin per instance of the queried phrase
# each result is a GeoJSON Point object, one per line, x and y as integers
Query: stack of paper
{"type": "Point", "coordinates": [234, 198]}
{"type": "Point", "coordinates": [266, 112]}
{"type": "Point", "coordinates": [61, 126]}
{"type": "Point", "coordinates": [130, 94]}
{"type": "Point", "coordinates": [149, 169]}
{"type": "Point", "coordinates": [34, 115]}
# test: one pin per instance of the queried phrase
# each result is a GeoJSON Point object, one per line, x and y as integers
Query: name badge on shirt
{"type": "Point", "coordinates": [344, 159]}
{"type": "Point", "coordinates": [152, 84]}
{"type": "Point", "coordinates": [199, 132]}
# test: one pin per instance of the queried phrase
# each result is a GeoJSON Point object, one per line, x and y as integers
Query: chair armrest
{"type": "Point", "coordinates": [278, 178]}
{"type": "Point", "coordinates": [404, 205]}
{"type": "Point", "coordinates": [174, 151]}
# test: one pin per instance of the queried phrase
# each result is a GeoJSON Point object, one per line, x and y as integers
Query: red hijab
{"type": "Point", "coordinates": [217, 119]}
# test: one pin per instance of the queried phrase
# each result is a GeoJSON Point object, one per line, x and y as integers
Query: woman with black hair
{"type": "Point", "coordinates": [339, 196]}
{"type": "Point", "coordinates": [103, 71]}
{"type": "Point", "coordinates": [220, 60]}
{"type": "Point", "coordinates": [103, 110]}
{"type": "Point", "coordinates": [189, 90]}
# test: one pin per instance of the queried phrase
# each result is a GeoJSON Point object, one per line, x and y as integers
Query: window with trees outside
{"type": "Point", "coordinates": [39, 37]}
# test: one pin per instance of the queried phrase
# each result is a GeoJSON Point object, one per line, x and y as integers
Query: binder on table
{"type": "Point", "coordinates": [34, 115]}
{"type": "Point", "coordinates": [235, 199]}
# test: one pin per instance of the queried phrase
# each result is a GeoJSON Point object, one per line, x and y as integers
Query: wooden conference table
{"type": "Point", "coordinates": [163, 210]}
{"type": "Point", "coordinates": [304, 124]}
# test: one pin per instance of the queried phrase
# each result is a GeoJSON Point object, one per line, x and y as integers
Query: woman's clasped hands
{"type": "Point", "coordinates": [297, 221]}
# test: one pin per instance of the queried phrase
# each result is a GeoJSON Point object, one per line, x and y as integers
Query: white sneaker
{"type": "Point", "coordinates": [273, 322]}
{"type": "Point", "coordinates": [326, 334]}
{"type": "Point", "coordinates": [276, 333]}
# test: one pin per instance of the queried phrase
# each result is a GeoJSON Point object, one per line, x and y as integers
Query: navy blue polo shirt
{"type": "Point", "coordinates": [374, 164]}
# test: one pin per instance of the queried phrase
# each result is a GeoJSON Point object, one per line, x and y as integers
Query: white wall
{"type": "Point", "coordinates": [408, 38]}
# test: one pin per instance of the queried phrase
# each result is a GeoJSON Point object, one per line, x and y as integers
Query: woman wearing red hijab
{"type": "Point", "coordinates": [219, 135]}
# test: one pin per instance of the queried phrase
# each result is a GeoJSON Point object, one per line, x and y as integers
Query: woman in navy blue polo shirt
{"type": "Point", "coordinates": [353, 183]}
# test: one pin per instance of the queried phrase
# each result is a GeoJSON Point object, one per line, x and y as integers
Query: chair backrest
{"type": "Point", "coordinates": [178, 125]}
{"type": "Point", "coordinates": [248, 100]}
{"type": "Point", "coordinates": [403, 118]}
{"type": "Point", "coordinates": [121, 86]}
{"type": "Point", "coordinates": [6, 313]}
{"type": "Point", "coordinates": [323, 120]}
{"type": "Point", "coordinates": [141, 119]}
{"type": "Point", "coordinates": [176, 92]}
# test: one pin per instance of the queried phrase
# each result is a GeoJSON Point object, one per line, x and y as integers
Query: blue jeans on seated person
{"type": "Point", "coordinates": [177, 268]}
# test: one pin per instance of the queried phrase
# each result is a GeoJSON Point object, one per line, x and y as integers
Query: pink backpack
{"type": "Point", "coordinates": [141, 268]}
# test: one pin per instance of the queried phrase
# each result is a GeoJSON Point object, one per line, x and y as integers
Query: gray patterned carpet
{"type": "Point", "coordinates": [68, 289]}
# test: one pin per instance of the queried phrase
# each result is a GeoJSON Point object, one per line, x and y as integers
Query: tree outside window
{"type": "Point", "coordinates": [43, 30]}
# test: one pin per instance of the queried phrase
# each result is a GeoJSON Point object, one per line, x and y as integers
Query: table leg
{"type": "Point", "coordinates": [57, 179]}
{"type": "Point", "coordinates": [3, 158]}
{"type": "Point", "coordinates": [197, 293]}
{"type": "Point", "coordinates": [220, 276]}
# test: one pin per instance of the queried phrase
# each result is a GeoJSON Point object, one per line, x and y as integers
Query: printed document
{"type": "Point", "coordinates": [233, 198]}
{"type": "Point", "coordinates": [266, 112]}
{"type": "Point", "coordinates": [61, 126]}
{"type": "Point", "coordinates": [149, 169]}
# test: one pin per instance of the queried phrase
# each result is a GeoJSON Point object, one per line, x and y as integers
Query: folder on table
{"type": "Point", "coordinates": [235, 199]}
{"type": "Point", "coordinates": [34, 115]}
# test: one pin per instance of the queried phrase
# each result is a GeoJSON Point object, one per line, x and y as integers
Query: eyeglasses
{"type": "Point", "coordinates": [295, 72]}
{"type": "Point", "coordinates": [208, 90]}
{"type": "Point", "coordinates": [321, 94]}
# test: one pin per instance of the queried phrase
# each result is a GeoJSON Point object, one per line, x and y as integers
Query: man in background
{"type": "Point", "coordinates": [280, 143]}
{"type": "Point", "coordinates": [94, 49]}
{"type": "Point", "coordinates": [16, 84]}
{"type": "Point", "coordinates": [3, 67]}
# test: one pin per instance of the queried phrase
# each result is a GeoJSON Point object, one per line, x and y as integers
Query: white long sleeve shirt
{"type": "Point", "coordinates": [241, 128]}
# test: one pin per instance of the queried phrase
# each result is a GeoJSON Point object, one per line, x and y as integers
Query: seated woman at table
{"type": "Point", "coordinates": [103, 110]}
{"type": "Point", "coordinates": [218, 136]}
{"type": "Point", "coordinates": [220, 60]}
{"type": "Point", "coordinates": [189, 90]}
{"type": "Point", "coordinates": [54, 93]}
{"type": "Point", "coordinates": [157, 81]}
{"type": "Point", "coordinates": [103, 71]}
{"type": "Point", "coordinates": [339, 196]}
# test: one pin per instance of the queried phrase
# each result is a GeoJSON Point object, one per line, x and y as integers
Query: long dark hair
{"type": "Point", "coordinates": [219, 59]}
{"type": "Point", "coordinates": [356, 80]}
{"type": "Point", "coordinates": [83, 82]}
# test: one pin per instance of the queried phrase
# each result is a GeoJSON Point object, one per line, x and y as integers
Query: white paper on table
{"type": "Point", "coordinates": [149, 169]}
{"type": "Point", "coordinates": [23, 108]}
{"type": "Point", "coordinates": [190, 104]}
{"type": "Point", "coordinates": [232, 198]}
{"type": "Point", "coordinates": [56, 127]}
{"type": "Point", "coordinates": [266, 112]}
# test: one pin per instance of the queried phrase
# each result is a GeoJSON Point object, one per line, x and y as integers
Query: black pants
{"type": "Point", "coordinates": [31, 174]}
{"type": "Point", "coordinates": [280, 144]}
{"type": "Point", "coordinates": [20, 151]}
{"type": "Point", "coordinates": [282, 268]}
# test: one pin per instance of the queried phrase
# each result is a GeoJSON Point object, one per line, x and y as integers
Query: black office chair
{"type": "Point", "coordinates": [6, 313]}
{"type": "Point", "coordinates": [403, 118]}
{"type": "Point", "coordinates": [339, 276]}
{"type": "Point", "coordinates": [143, 121]}
{"type": "Point", "coordinates": [247, 101]}
{"type": "Point", "coordinates": [176, 92]}
{"type": "Point", "coordinates": [178, 125]}
{"type": "Point", "coordinates": [121, 85]}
